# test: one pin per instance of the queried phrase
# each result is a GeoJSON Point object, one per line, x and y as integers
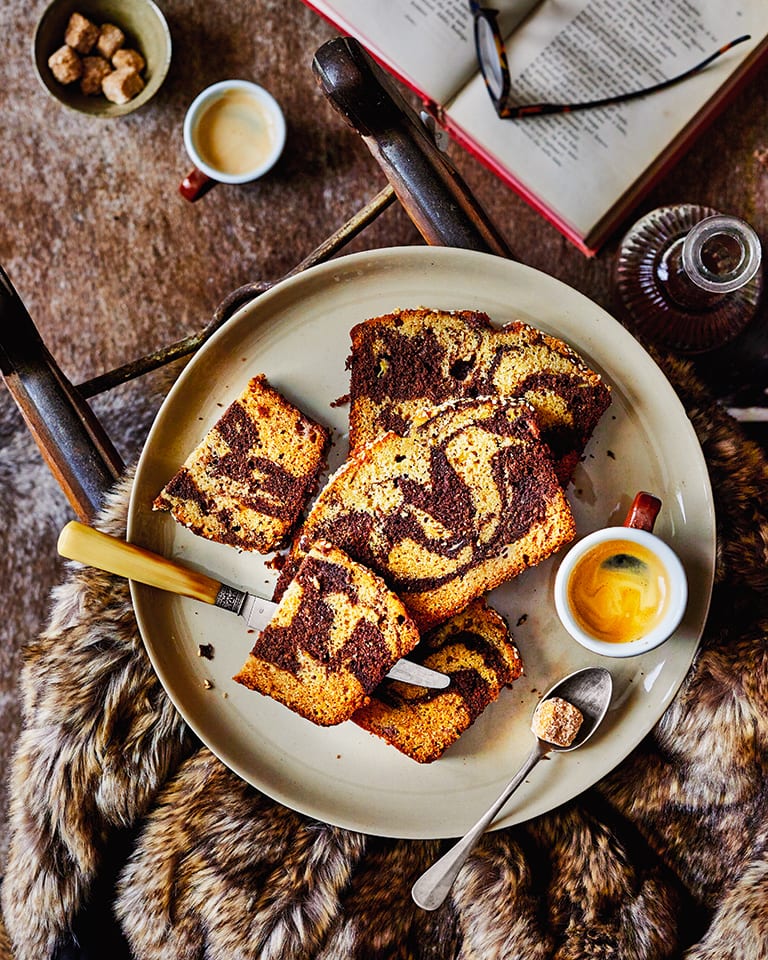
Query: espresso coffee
{"type": "Point", "coordinates": [235, 134]}
{"type": "Point", "coordinates": [618, 591]}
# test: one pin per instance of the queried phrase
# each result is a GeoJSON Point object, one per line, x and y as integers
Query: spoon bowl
{"type": "Point", "coordinates": [589, 690]}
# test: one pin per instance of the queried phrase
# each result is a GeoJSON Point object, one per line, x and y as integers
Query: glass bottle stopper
{"type": "Point", "coordinates": [689, 277]}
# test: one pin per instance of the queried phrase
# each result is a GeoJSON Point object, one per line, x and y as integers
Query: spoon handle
{"type": "Point", "coordinates": [433, 885]}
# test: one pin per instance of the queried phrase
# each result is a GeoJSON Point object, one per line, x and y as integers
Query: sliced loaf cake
{"type": "Point", "coordinates": [476, 650]}
{"type": "Point", "coordinates": [337, 631]}
{"type": "Point", "coordinates": [467, 499]}
{"type": "Point", "coordinates": [406, 361]}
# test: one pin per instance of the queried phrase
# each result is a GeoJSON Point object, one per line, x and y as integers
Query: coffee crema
{"type": "Point", "coordinates": [618, 591]}
{"type": "Point", "coordinates": [235, 134]}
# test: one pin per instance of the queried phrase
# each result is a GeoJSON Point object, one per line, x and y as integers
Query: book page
{"type": "Point", "coordinates": [579, 164]}
{"type": "Point", "coordinates": [429, 43]}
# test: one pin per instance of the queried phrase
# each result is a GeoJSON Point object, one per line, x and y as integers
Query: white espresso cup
{"type": "Point", "coordinates": [622, 591]}
{"type": "Point", "coordinates": [234, 132]}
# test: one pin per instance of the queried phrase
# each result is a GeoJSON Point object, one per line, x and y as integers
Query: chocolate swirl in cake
{"type": "Point", "coordinates": [336, 633]}
{"type": "Point", "coordinates": [476, 650]}
{"type": "Point", "coordinates": [362, 650]}
{"type": "Point", "coordinates": [467, 499]}
{"type": "Point", "coordinates": [278, 490]}
{"type": "Point", "coordinates": [414, 359]}
{"type": "Point", "coordinates": [248, 480]}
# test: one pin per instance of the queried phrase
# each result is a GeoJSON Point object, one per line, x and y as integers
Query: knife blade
{"type": "Point", "coordinates": [78, 541]}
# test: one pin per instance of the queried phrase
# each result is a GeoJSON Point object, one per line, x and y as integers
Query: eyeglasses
{"type": "Point", "coordinates": [492, 58]}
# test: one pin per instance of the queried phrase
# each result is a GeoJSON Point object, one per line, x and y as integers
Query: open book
{"type": "Point", "coordinates": [583, 171]}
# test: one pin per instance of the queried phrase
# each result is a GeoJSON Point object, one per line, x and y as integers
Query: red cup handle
{"type": "Point", "coordinates": [643, 512]}
{"type": "Point", "coordinates": [196, 184]}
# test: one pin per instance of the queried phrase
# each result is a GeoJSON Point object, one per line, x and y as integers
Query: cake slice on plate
{"type": "Point", "coordinates": [476, 650]}
{"type": "Point", "coordinates": [336, 633]}
{"type": "Point", "coordinates": [467, 499]}
{"type": "Point", "coordinates": [251, 476]}
{"type": "Point", "coordinates": [404, 362]}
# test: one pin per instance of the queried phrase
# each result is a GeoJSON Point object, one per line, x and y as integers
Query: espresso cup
{"type": "Point", "coordinates": [622, 591]}
{"type": "Point", "coordinates": [234, 132]}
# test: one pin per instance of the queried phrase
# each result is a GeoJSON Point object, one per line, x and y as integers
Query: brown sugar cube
{"type": "Point", "coordinates": [94, 71]}
{"type": "Point", "coordinates": [557, 721]}
{"type": "Point", "coordinates": [122, 85]}
{"type": "Point", "coordinates": [81, 34]}
{"type": "Point", "coordinates": [65, 65]}
{"type": "Point", "coordinates": [129, 59]}
{"type": "Point", "coordinates": [111, 38]}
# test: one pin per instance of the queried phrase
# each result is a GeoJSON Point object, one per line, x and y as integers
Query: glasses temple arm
{"type": "Point", "coordinates": [540, 109]}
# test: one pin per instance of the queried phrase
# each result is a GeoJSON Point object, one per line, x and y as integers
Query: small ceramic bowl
{"type": "Point", "coordinates": [145, 29]}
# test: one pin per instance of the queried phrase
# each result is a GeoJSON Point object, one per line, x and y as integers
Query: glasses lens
{"type": "Point", "coordinates": [488, 56]}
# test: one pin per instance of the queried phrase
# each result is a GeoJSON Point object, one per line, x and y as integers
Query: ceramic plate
{"type": "Point", "coordinates": [298, 335]}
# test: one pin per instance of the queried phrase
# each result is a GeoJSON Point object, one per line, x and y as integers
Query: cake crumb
{"type": "Point", "coordinates": [557, 721]}
{"type": "Point", "coordinates": [208, 684]}
{"type": "Point", "coordinates": [205, 650]}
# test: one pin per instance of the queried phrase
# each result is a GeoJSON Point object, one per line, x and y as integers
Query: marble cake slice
{"type": "Point", "coordinates": [476, 650]}
{"type": "Point", "coordinates": [406, 361]}
{"type": "Point", "coordinates": [248, 481]}
{"type": "Point", "coordinates": [337, 631]}
{"type": "Point", "coordinates": [467, 499]}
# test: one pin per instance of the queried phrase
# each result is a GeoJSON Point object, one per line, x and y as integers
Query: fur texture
{"type": "Point", "coordinates": [665, 857]}
{"type": "Point", "coordinates": [29, 564]}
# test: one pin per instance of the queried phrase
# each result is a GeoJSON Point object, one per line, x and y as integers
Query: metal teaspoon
{"type": "Point", "coordinates": [590, 691]}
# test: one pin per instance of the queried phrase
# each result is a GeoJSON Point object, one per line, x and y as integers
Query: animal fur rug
{"type": "Point", "coordinates": [665, 857]}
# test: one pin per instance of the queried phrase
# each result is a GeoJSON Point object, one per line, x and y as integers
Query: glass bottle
{"type": "Point", "coordinates": [688, 277]}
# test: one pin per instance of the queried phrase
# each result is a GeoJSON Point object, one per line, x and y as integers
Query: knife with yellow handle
{"type": "Point", "coordinates": [77, 541]}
